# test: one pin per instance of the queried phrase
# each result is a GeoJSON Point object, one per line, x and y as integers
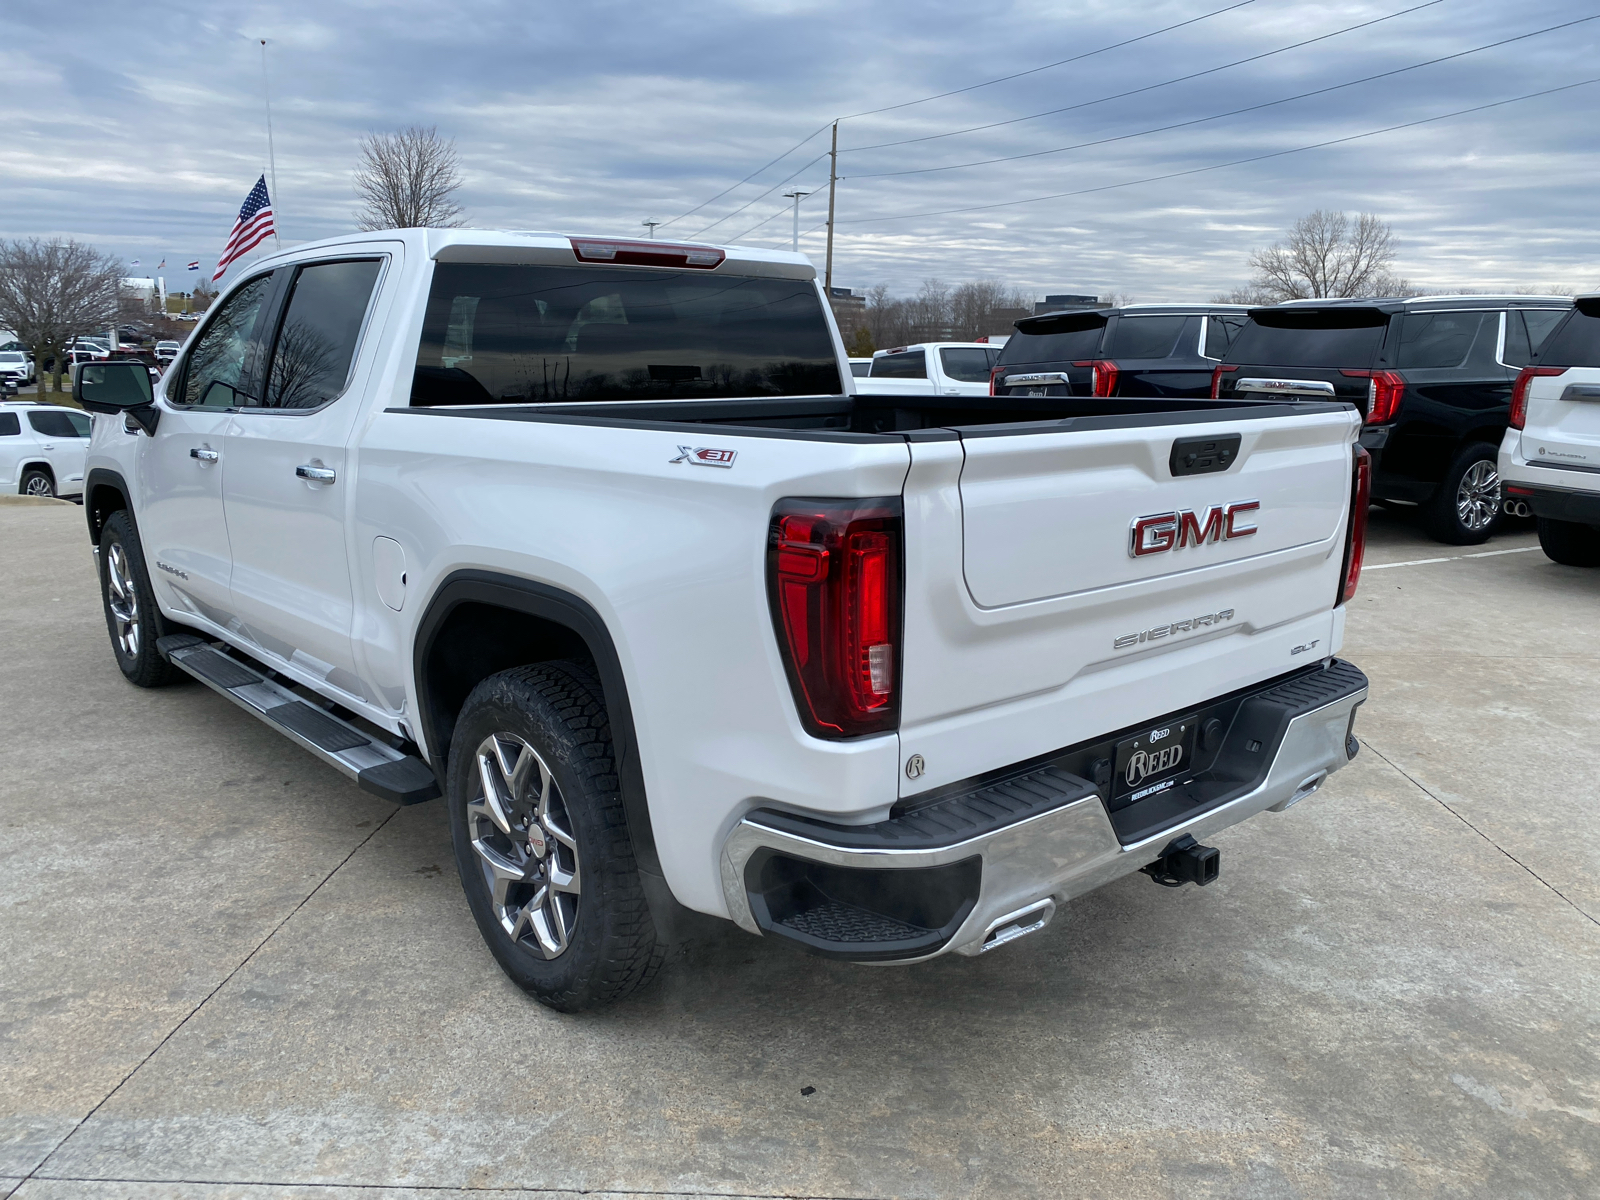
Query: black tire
{"type": "Point", "coordinates": [127, 597]}
{"type": "Point", "coordinates": [37, 483]}
{"type": "Point", "coordinates": [1569, 543]}
{"type": "Point", "coordinates": [605, 943]}
{"type": "Point", "coordinates": [1465, 509]}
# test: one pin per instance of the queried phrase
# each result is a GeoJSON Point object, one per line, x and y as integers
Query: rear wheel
{"type": "Point", "coordinates": [1569, 543]}
{"type": "Point", "coordinates": [541, 841]}
{"type": "Point", "coordinates": [1466, 507]}
{"type": "Point", "coordinates": [132, 619]}
{"type": "Point", "coordinates": [38, 483]}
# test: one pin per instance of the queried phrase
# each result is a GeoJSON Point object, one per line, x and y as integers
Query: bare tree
{"type": "Point", "coordinates": [51, 291]}
{"type": "Point", "coordinates": [406, 180]}
{"type": "Point", "coordinates": [984, 307]}
{"type": "Point", "coordinates": [1325, 255]}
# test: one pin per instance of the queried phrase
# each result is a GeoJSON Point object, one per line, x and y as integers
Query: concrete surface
{"type": "Point", "coordinates": [225, 972]}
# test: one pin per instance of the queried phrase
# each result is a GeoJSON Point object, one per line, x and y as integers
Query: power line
{"type": "Point", "coordinates": [750, 176]}
{"type": "Point", "coordinates": [1238, 162]}
{"type": "Point", "coordinates": [1049, 66]}
{"type": "Point", "coordinates": [939, 96]}
{"type": "Point", "coordinates": [1121, 137]}
{"type": "Point", "coordinates": [1148, 88]}
{"type": "Point", "coordinates": [763, 195]}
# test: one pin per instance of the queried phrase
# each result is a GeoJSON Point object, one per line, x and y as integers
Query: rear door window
{"type": "Point", "coordinates": [503, 334]}
{"type": "Point", "coordinates": [1145, 337]}
{"type": "Point", "coordinates": [316, 341]}
{"type": "Point", "coordinates": [1220, 332]}
{"type": "Point", "coordinates": [912, 364]}
{"type": "Point", "coordinates": [1431, 341]}
{"type": "Point", "coordinates": [1576, 343]}
{"type": "Point", "coordinates": [58, 424]}
{"type": "Point", "coordinates": [1309, 341]}
{"type": "Point", "coordinates": [968, 364]}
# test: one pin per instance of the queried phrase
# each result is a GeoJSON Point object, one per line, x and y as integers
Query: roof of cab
{"type": "Point", "coordinates": [545, 248]}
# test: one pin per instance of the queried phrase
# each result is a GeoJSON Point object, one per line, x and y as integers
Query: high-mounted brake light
{"type": "Point", "coordinates": [1216, 379]}
{"type": "Point", "coordinates": [1385, 390]}
{"type": "Point", "coordinates": [1355, 538]}
{"type": "Point", "coordinates": [646, 254]}
{"type": "Point", "coordinates": [1519, 391]}
{"type": "Point", "coordinates": [833, 580]}
{"type": "Point", "coordinates": [1104, 375]}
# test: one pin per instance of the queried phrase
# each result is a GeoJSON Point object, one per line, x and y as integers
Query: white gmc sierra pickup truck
{"type": "Point", "coordinates": [594, 538]}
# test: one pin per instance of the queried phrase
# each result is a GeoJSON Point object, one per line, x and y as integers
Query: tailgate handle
{"type": "Point", "coordinates": [1202, 455]}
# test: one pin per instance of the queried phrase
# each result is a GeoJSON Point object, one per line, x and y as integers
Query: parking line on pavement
{"type": "Point", "coordinates": [1418, 562]}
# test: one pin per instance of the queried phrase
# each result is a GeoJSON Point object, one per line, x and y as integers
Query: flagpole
{"type": "Point", "coordinates": [272, 157]}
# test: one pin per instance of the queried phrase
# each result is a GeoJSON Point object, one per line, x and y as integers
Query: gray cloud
{"type": "Point", "coordinates": [143, 136]}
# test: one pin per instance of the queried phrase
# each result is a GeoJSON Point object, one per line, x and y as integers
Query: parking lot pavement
{"type": "Point", "coordinates": [228, 973]}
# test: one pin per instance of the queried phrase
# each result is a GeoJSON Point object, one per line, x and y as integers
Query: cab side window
{"type": "Point", "coordinates": [316, 341]}
{"type": "Point", "coordinates": [221, 363]}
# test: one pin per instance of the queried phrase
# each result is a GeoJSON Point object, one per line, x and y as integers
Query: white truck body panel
{"type": "Point", "coordinates": [1018, 578]}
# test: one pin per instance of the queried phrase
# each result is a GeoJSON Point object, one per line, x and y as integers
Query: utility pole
{"type": "Point", "coordinates": [651, 226]}
{"type": "Point", "coordinates": [833, 178]}
{"type": "Point", "coordinates": [272, 157]}
{"type": "Point", "coordinates": [796, 197]}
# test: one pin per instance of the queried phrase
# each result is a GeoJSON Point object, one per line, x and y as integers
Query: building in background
{"type": "Point", "coordinates": [849, 309]}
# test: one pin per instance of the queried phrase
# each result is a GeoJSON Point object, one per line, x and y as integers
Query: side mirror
{"type": "Point", "coordinates": [116, 387]}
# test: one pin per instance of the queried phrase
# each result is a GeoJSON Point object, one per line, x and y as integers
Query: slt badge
{"type": "Point", "coordinates": [705, 456]}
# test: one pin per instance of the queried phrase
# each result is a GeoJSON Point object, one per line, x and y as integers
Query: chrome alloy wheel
{"type": "Point", "coordinates": [520, 829]}
{"type": "Point", "coordinates": [38, 485]}
{"type": "Point", "coordinates": [123, 599]}
{"type": "Point", "coordinates": [1478, 496]}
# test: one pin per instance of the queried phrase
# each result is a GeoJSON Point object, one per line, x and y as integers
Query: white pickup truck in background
{"type": "Point", "coordinates": [593, 538]}
{"type": "Point", "coordinates": [931, 368]}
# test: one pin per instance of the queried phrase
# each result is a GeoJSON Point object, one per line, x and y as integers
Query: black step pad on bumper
{"type": "Point", "coordinates": [377, 767]}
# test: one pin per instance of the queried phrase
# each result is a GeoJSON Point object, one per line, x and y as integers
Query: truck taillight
{"type": "Point", "coordinates": [1355, 538]}
{"type": "Point", "coordinates": [833, 581]}
{"type": "Point", "coordinates": [1385, 390]}
{"type": "Point", "coordinates": [994, 378]}
{"type": "Point", "coordinates": [1216, 379]}
{"type": "Point", "coordinates": [1519, 391]}
{"type": "Point", "coordinates": [1104, 375]}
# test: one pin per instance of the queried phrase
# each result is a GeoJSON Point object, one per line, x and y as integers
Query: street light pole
{"type": "Point", "coordinates": [796, 197]}
{"type": "Point", "coordinates": [651, 226]}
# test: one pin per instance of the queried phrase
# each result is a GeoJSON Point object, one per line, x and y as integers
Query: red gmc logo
{"type": "Point", "coordinates": [1174, 530]}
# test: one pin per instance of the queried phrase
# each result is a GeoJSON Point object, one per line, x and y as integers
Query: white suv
{"type": "Point", "coordinates": [42, 448]}
{"type": "Point", "coordinates": [1550, 458]}
{"type": "Point", "coordinates": [16, 367]}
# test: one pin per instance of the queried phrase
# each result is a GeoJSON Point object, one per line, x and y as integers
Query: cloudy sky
{"type": "Point", "coordinates": [140, 129]}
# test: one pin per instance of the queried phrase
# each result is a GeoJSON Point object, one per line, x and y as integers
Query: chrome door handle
{"type": "Point", "coordinates": [316, 474]}
{"type": "Point", "coordinates": [203, 455]}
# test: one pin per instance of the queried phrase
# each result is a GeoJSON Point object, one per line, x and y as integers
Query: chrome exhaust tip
{"type": "Point", "coordinates": [1517, 508]}
{"type": "Point", "coordinates": [1018, 924]}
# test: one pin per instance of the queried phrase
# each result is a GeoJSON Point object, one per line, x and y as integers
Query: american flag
{"type": "Point", "coordinates": [253, 227]}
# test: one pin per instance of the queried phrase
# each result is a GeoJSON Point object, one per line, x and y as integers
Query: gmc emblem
{"type": "Point", "coordinates": [1174, 530]}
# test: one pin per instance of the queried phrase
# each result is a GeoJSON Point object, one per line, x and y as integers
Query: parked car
{"type": "Point", "coordinates": [1135, 350]}
{"type": "Point", "coordinates": [930, 369]}
{"type": "Point", "coordinates": [687, 623]}
{"type": "Point", "coordinates": [1432, 377]}
{"type": "Point", "coordinates": [16, 367]}
{"type": "Point", "coordinates": [166, 351]}
{"type": "Point", "coordinates": [1550, 457]}
{"type": "Point", "coordinates": [87, 348]}
{"type": "Point", "coordinates": [42, 448]}
{"type": "Point", "coordinates": [860, 367]}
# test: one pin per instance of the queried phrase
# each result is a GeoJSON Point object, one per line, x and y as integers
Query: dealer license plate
{"type": "Point", "coordinates": [1153, 761]}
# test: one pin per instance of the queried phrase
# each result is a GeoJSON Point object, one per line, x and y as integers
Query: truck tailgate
{"type": "Point", "coordinates": [1065, 583]}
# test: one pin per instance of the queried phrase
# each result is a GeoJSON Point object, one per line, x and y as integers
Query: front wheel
{"type": "Point", "coordinates": [1466, 506]}
{"type": "Point", "coordinates": [541, 841]}
{"type": "Point", "coordinates": [1569, 543]}
{"type": "Point", "coordinates": [132, 618]}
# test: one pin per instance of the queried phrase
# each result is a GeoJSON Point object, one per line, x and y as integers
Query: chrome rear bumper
{"type": "Point", "coordinates": [1035, 863]}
